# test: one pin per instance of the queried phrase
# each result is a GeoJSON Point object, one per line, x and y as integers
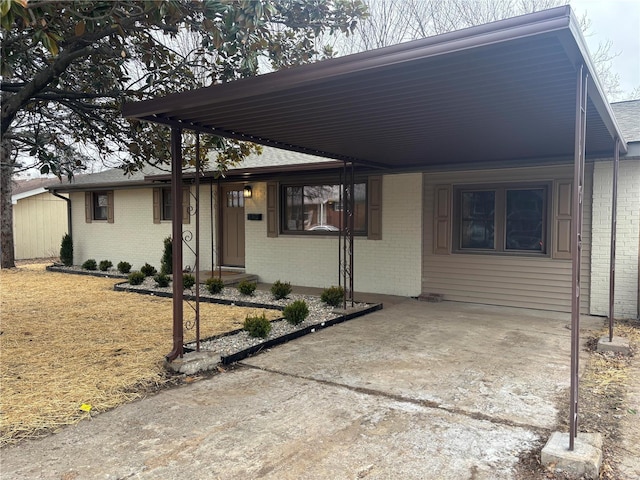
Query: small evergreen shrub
{"type": "Point", "coordinates": [124, 267]}
{"type": "Point", "coordinates": [188, 281]}
{"type": "Point", "coordinates": [148, 270]}
{"type": "Point", "coordinates": [280, 290]}
{"type": "Point", "coordinates": [90, 264]}
{"type": "Point", "coordinates": [66, 250]}
{"type": "Point", "coordinates": [257, 326]}
{"type": "Point", "coordinates": [214, 285]}
{"type": "Point", "coordinates": [166, 263]}
{"type": "Point", "coordinates": [161, 280]}
{"type": "Point", "coordinates": [296, 312]}
{"type": "Point", "coordinates": [105, 265]}
{"type": "Point", "coordinates": [136, 278]}
{"type": "Point", "coordinates": [333, 296]}
{"type": "Point", "coordinates": [247, 288]}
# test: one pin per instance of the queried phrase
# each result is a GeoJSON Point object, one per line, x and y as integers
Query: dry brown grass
{"type": "Point", "coordinates": [69, 340]}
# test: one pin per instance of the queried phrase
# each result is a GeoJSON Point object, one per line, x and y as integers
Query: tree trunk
{"type": "Point", "coordinates": [7, 253]}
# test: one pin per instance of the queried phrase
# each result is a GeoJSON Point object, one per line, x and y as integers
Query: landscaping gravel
{"type": "Point", "coordinates": [234, 342]}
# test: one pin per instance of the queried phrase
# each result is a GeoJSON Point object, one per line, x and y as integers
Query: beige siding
{"type": "Point", "coordinates": [518, 281]}
{"type": "Point", "coordinates": [39, 223]}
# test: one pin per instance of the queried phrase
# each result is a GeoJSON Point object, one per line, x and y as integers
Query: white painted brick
{"type": "Point", "coordinates": [627, 239]}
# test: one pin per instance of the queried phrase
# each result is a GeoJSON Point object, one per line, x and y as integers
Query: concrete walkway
{"type": "Point", "coordinates": [417, 390]}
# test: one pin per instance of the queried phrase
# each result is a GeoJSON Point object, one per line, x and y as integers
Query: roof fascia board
{"type": "Point", "coordinates": [83, 187]}
{"type": "Point", "coordinates": [576, 48]}
{"type": "Point", "coordinates": [27, 194]}
{"type": "Point", "coordinates": [504, 30]}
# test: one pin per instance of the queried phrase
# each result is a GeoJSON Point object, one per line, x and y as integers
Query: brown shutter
{"type": "Point", "coordinates": [442, 220]}
{"type": "Point", "coordinates": [375, 208]}
{"type": "Point", "coordinates": [157, 201]}
{"type": "Point", "coordinates": [272, 209]}
{"type": "Point", "coordinates": [186, 200]}
{"type": "Point", "coordinates": [561, 242]}
{"type": "Point", "coordinates": [88, 207]}
{"type": "Point", "coordinates": [110, 207]}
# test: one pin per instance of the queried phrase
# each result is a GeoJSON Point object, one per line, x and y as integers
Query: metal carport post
{"type": "Point", "coordinates": [576, 245]}
{"type": "Point", "coordinates": [612, 256]}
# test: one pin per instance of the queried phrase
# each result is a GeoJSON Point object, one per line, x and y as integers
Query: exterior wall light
{"type": "Point", "coordinates": [246, 192]}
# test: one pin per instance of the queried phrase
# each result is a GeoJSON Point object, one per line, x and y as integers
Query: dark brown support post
{"type": "Point", "coordinates": [576, 246]}
{"type": "Point", "coordinates": [176, 234]}
{"type": "Point", "coordinates": [612, 256]}
{"type": "Point", "coordinates": [352, 215]}
{"type": "Point", "coordinates": [197, 266]}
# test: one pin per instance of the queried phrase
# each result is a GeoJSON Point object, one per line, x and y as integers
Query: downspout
{"type": "Point", "coordinates": [68, 200]}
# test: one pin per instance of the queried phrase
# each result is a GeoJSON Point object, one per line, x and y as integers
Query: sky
{"type": "Point", "coordinates": [618, 21]}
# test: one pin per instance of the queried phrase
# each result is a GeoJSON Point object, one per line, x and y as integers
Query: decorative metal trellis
{"type": "Point", "coordinates": [345, 236]}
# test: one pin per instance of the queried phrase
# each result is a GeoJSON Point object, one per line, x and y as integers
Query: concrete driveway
{"type": "Point", "coordinates": [417, 390]}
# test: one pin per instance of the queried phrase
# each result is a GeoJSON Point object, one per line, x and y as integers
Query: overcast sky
{"type": "Point", "coordinates": [618, 21]}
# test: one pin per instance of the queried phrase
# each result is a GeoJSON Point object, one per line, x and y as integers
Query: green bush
{"type": "Point", "coordinates": [333, 296]}
{"type": "Point", "coordinates": [296, 312]}
{"type": "Point", "coordinates": [188, 281]}
{"type": "Point", "coordinates": [124, 267]}
{"type": "Point", "coordinates": [247, 288]}
{"type": "Point", "coordinates": [66, 250]}
{"type": "Point", "coordinates": [214, 285]}
{"type": "Point", "coordinates": [257, 326]}
{"type": "Point", "coordinates": [280, 290]}
{"type": "Point", "coordinates": [105, 265]}
{"type": "Point", "coordinates": [148, 270]}
{"type": "Point", "coordinates": [136, 278]}
{"type": "Point", "coordinates": [162, 280]}
{"type": "Point", "coordinates": [166, 262]}
{"type": "Point", "coordinates": [90, 264]}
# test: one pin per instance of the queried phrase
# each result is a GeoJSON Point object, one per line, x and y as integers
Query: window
{"type": "Point", "coordinates": [501, 219]}
{"type": "Point", "coordinates": [99, 206]}
{"type": "Point", "coordinates": [235, 199]}
{"type": "Point", "coordinates": [163, 207]}
{"type": "Point", "coordinates": [166, 203]}
{"type": "Point", "coordinates": [317, 209]}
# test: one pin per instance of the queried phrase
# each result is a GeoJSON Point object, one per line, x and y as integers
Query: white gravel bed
{"type": "Point", "coordinates": [319, 313]}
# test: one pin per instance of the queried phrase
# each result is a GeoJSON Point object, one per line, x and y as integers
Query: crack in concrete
{"type": "Point", "coordinates": [542, 431]}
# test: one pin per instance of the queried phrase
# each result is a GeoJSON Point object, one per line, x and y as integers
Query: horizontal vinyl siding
{"type": "Point", "coordinates": [509, 280]}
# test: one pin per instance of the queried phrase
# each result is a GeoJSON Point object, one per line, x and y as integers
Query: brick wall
{"type": "Point", "coordinates": [133, 237]}
{"type": "Point", "coordinates": [627, 239]}
{"type": "Point", "coordinates": [391, 265]}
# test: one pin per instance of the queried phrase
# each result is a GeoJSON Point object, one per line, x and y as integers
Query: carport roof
{"type": "Point", "coordinates": [499, 92]}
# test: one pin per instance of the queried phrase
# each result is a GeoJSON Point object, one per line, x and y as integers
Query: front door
{"type": "Point", "coordinates": [232, 226]}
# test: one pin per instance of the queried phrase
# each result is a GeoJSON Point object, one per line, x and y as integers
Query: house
{"type": "Point", "coordinates": [39, 219]}
{"type": "Point", "coordinates": [463, 149]}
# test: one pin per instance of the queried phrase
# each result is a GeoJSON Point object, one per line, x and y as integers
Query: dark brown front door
{"type": "Point", "coordinates": [232, 226]}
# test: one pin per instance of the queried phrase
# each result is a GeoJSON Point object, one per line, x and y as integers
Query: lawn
{"type": "Point", "coordinates": [69, 341]}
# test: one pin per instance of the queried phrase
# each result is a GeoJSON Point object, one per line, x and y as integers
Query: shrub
{"type": "Point", "coordinates": [66, 250]}
{"type": "Point", "coordinates": [90, 264]}
{"type": "Point", "coordinates": [333, 296]}
{"type": "Point", "coordinates": [161, 280]}
{"type": "Point", "coordinates": [188, 281]}
{"type": "Point", "coordinates": [257, 326]}
{"type": "Point", "coordinates": [166, 263]}
{"type": "Point", "coordinates": [136, 278]}
{"type": "Point", "coordinates": [148, 270]}
{"type": "Point", "coordinates": [214, 285]}
{"type": "Point", "coordinates": [105, 265]}
{"type": "Point", "coordinates": [296, 312]}
{"type": "Point", "coordinates": [124, 267]}
{"type": "Point", "coordinates": [280, 290]}
{"type": "Point", "coordinates": [247, 288]}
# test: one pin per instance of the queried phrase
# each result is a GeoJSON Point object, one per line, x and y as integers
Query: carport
{"type": "Point", "coordinates": [519, 91]}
